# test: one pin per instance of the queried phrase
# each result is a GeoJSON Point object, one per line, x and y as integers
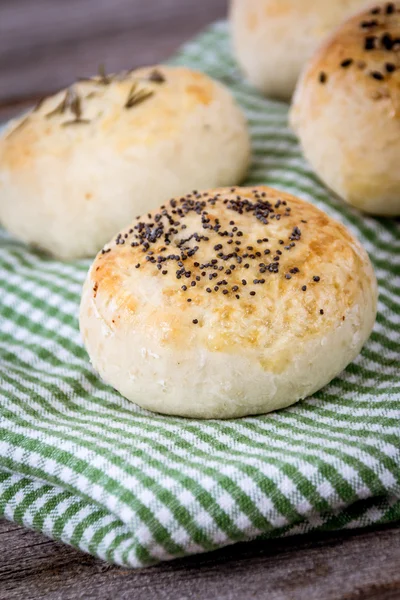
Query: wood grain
{"type": "Point", "coordinates": [347, 566]}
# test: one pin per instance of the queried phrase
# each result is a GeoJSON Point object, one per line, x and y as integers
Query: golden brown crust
{"type": "Point", "coordinates": [363, 52]}
{"type": "Point", "coordinates": [226, 303]}
{"type": "Point", "coordinates": [260, 267]}
{"type": "Point", "coordinates": [346, 110]}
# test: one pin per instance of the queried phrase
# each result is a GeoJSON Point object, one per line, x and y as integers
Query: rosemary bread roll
{"type": "Point", "coordinates": [273, 39]}
{"type": "Point", "coordinates": [89, 159]}
{"type": "Point", "coordinates": [226, 303]}
{"type": "Point", "coordinates": [346, 110]}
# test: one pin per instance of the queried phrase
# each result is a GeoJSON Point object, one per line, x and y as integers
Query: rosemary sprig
{"type": "Point", "coordinates": [136, 97]}
{"type": "Point", "coordinates": [101, 77]}
{"type": "Point", "coordinates": [76, 108]}
{"type": "Point", "coordinates": [156, 76]}
{"type": "Point", "coordinates": [39, 104]}
{"type": "Point", "coordinates": [75, 122]}
{"type": "Point", "coordinates": [72, 102]}
{"type": "Point", "coordinates": [64, 104]}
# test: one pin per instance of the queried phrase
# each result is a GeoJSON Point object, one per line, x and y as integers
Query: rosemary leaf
{"type": "Point", "coordinates": [59, 109]}
{"type": "Point", "coordinates": [76, 106]}
{"type": "Point", "coordinates": [64, 104]}
{"type": "Point", "coordinates": [75, 122]}
{"type": "Point", "coordinates": [132, 90]}
{"type": "Point", "coordinates": [39, 104]}
{"type": "Point", "coordinates": [156, 76]}
{"type": "Point", "coordinates": [135, 98]}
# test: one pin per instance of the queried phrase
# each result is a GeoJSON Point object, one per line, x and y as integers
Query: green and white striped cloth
{"type": "Point", "coordinates": [83, 465]}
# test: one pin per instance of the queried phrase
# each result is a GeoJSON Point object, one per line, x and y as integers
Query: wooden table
{"type": "Point", "coordinates": [348, 566]}
{"type": "Point", "coordinates": [44, 45]}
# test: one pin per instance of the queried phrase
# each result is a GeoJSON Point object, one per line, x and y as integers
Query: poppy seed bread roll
{"type": "Point", "coordinates": [346, 110]}
{"type": "Point", "coordinates": [227, 303]}
{"type": "Point", "coordinates": [89, 159]}
{"type": "Point", "coordinates": [273, 39]}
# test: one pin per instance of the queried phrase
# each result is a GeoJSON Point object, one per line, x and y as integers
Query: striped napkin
{"type": "Point", "coordinates": [83, 465]}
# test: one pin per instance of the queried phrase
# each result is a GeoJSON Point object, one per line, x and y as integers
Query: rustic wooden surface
{"type": "Point", "coordinates": [348, 566]}
{"type": "Point", "coordinates": [44, 45]}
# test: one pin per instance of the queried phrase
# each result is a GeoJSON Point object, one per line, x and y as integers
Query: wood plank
{"type": "Point", "coordinates": [340, 566]}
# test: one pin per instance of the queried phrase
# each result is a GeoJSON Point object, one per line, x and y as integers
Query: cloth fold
{"type": "Point", "coordinates": [83, 465]}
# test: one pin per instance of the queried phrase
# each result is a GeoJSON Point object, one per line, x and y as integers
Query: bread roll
{"type": "Point", "coordinates": [346, 110]}
{"type": "Point", "coordinates": [89, 159]}
{"type": "Point", "coordinates": [273, 39]}
{"type": "Point", "coordinates": [226, 303]}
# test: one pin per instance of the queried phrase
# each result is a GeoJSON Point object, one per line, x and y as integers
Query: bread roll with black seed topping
{"type": "Point", "coordinates": [89, 159]}
{"type": "Point", "coordinates": [346, 110]}
{"type": "Point", "coordinates": [273, 39]}
{"type": "Point", "coordinates": [226, 303]}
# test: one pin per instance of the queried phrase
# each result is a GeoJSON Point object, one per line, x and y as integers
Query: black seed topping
{"type": "Point", "coordinates": [346, 63]}
{"type": "Point", "coordinates": [296, 234]}
{"type": "Point", "coordinates": [161, 240]}
{"type": "Point", "coordinates": [377, 75]}
{"type": "Point", "coordinates": [369, 43]}
{"type": "Point", "coordinates": [387, 41]}
{"type": "Point", "coordinates": [321, 311]}
{"type": "Point", "coordinates": [316, 278]}
{"type": "Point", "coordinates": [323, 77]}
{"type": "Point", "coordinates": [156, 76]}
{"type": "Point", "coordinates": [369, 24]}
{"type": "Point", "coordinates": [304, 287]}
{"type": "Point", "coordinates": [195, 321]}
{"type": "Point", "coordinates": [390, 67]}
